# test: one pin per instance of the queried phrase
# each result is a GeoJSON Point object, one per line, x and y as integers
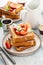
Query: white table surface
{"type": "Point", "coordinates": [33, 59]}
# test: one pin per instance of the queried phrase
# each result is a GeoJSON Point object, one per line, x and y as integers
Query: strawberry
{"type": "Point", "coordinates": [24, 26]}
{"type": "Point", "coordinates": [17, 32]}
{"type": "Point", "coordinates": [22, 32]}
{"type": "Point", "coordinates": [15, 29]}
{"type": "Point", "coordinates": [8, 45]}
{"type": "Point", "coordinates": [12, 6]}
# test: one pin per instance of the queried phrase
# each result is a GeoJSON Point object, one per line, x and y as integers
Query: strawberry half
{"type": "Point", "coordinates": [12, 6]}
{"type": "Point", "coordinates": [8, 45]}
{"type": "Point", "coordinates": [22, 32]}
{"type": "Point", "coordinates": [15, 29]}
{"type": "Point", "coordinates": [17, 32]}
{"type": "Point", "coordinates": [24, 26]}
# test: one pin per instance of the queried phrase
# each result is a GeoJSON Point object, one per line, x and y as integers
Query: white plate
{"type": "Point", "coordinates": [25, 52]}
{"type": "Point", "coordinates": [15, 20]}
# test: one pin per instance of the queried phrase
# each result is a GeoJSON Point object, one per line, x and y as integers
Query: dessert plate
{"type": "Point", "coordinates": [25, 52]}
{"type": "Point", "coordinates": [15, 20]}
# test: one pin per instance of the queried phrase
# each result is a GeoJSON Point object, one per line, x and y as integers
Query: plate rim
{"type": "Point", "coordinates": [20, 54]}
{"type": "Point", "coordinates": [14, 20]}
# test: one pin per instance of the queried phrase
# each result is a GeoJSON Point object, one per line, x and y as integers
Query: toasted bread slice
{"type": "Point", "coordinates": [13, 17]}
{"type": "Point", "coordinates": [11, 14]}
{"type": "Point", "coordinates": [19, 7]}
{"type": "Point", "coordinates": [17, 39]}
{"type": "Point", "coordinates": [21, 48]}
{"type": "Point", "coordinates": [24, 45]}
{"type": "Point", "coordinates": [27, 43]}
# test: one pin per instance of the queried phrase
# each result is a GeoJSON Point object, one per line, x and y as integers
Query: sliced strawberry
{"type": "Point", "coordinates": [15, 29]}
{"type": "Point", "coordinates": [12, 6]}
{"type": "Point", "coordinates": [24, 26]}
{"type": "Point", "coordinates": [17, 32]}
{"type": "Point", "coordinates": [22, 32]}
{"type": "Point", "coordinates": [8, 45]}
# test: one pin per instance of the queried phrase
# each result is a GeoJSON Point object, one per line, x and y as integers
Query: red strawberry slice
{"type": "Point", "coordinates": [22, 32]}
{"type": "Point", "coordinates": [12, 6]}
{"type": "Point", "coordinates": [24, 26]}
{"type": "Point", "coordinates": [8, 45]}
{"type": "Point", "coordinates": [15, 29]}
{"type": "Point", "coordinates": [17, 32]}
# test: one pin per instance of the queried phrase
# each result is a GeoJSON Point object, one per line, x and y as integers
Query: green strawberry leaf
{"type": "Point", "coordinates": [0, 24]}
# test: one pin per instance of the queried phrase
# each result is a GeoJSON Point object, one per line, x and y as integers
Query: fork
{"type": "Point", "coordinates": [3, 59]}
{"type": "Point", "coordinates": [8, 56]}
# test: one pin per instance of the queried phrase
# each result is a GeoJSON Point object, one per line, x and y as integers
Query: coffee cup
{"type": "Point", "coordinates": [5, 23]}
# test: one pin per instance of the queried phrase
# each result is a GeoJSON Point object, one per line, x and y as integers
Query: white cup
{"type": "Point", "coordinates": [5, 23]}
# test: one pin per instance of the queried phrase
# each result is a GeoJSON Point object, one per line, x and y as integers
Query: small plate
{"type": "Point", "coordinates": [15, 20]}
{"type": "Point", "coordinates": [25, 52]}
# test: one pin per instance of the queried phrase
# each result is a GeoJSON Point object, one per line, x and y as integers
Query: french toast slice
{"type": "Point", "coordinates": [19, 7]}
{"type": "Point", "coordinates": [21, 48]}
{"type": "Point", "coordinates": [10, 12]}
{"type": "Point", "coordinates": [13, 16]}
{"type": "Point", "coordinates": [17, 39]}
{"type": "Point", "coordinates": [26, 43]}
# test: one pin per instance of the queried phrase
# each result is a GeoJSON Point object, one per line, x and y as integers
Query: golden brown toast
{"type": "Point", "coordinates": [17, 39]}
{"type": "Point", "coordinates": [11, 14]}
{"type": "Point", "coordinates": [26, 43]}
{"type": "Point", "coordinates": [21, 48]}
{"type": "Point", "coordinates": [19, 7]}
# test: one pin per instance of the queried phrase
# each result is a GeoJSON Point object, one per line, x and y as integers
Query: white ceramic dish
{"type": "Point", "coordinates": [25, 52]}
{"type": "Point", "coordinates": [15, 20]}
